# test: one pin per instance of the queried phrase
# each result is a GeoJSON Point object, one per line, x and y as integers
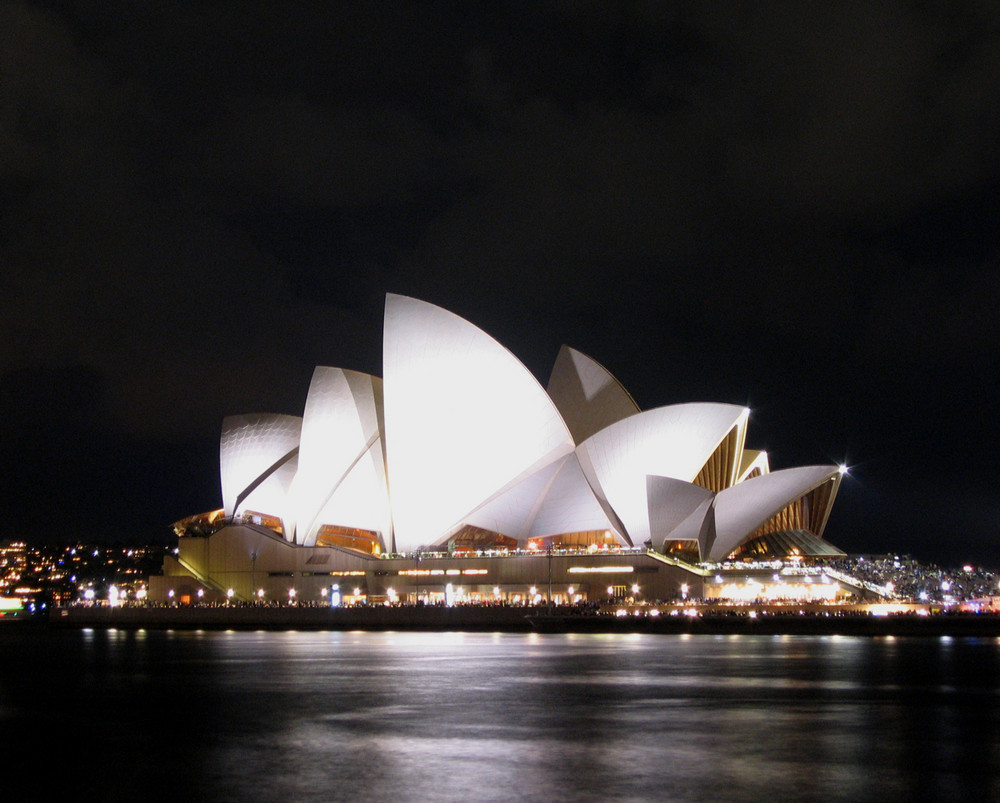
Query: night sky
{"type": "Point", "coordinates": [792, 206]}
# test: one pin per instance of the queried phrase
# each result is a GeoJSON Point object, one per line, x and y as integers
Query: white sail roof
{"type": "Point", "coordinates": [586, 394]}
{"type": "Point", "coordinates": [673, 441]}
{"type": "Point", "coordinates": [341, 440]}
{"type": "Point", "coordinates": [257, 461]}
{"type": "Point", "coordinates": [555, 500]}
{"type": "Point", "coordinates": [678, 510]}
{"type": "Point", "coordinates": [464, 419]}
{"type": "Point", "coordinates": [740, 510]}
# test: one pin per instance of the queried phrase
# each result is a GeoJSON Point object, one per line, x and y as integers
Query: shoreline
{"type": "Point", "coordinates": [513, 619]}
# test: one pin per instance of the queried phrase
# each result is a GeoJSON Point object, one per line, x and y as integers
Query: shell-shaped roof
{"type": "Point", "coordinates": [673, 441]}
{"type": "Point", "coordinates": [555, 500]}
{"type": "Point", "coordinates": [677, 510]}
{"type": "Point", "coordinates": [587, 395]}
{"type": "Point", "coordinates": [340, 437]}
{"type": "Point", "coordinates": [740, 510]}
{"type": "Point", "coordinates": [257, 459]}
{"type": "Point", "coordinates": [512, 512]}
{"type": "Point", "coordinates": [570, 506]}
{"type": "Point", "coordinates": [464, 419]}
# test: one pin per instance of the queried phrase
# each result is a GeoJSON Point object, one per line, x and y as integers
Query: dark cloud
{"type": "Point", "coordinates": [786, 204]}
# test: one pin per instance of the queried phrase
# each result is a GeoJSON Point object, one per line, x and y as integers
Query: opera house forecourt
{"type": "Point", "coordinates": [456, 477]}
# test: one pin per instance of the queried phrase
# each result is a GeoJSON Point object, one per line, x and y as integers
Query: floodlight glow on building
{"type": "Point", "coordinates": [480, 456]}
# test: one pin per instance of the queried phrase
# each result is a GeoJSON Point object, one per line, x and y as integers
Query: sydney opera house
{"type": "Point", "coordinates": [458, 476]}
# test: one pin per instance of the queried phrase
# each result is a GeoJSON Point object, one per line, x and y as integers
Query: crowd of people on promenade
{"type": "Point", "coordinates": [908, 579]}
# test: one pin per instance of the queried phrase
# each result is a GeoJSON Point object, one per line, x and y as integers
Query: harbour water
{"type": "Point", "coordinates": [394, 716]}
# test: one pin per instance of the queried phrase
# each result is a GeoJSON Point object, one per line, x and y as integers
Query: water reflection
{"type": "Point", "coordinates": [462, 716]}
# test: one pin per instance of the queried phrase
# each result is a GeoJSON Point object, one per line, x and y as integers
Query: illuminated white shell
{"type": "Point", "coordinates": [257, 462]}
{"type": "Point", "coordinates": [464, 420]}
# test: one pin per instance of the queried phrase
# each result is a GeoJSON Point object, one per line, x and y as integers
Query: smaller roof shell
{"type": "Point", "coordinates": [674, 441]}
{"type": "Point", "coordinates": [587, 395]}
{"type": "Point", "coordinates": [740, 510]}
{"type": "Point", "coordinates": [257, 461]}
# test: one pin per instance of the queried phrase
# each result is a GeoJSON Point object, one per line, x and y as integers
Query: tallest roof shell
{"type": "Point", "coordinates": [464, 419]}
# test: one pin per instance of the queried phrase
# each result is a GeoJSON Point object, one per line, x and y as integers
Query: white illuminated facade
{"type": "Point", "coordinates": [459, 444]}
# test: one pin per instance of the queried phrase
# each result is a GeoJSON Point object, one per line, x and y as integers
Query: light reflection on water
{"type": "Point", "coordinates": [461, 716]}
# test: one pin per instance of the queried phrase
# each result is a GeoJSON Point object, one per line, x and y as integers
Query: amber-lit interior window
{"type": "Point", "coordinates": [365, 541]}
{"type": "Point", "coordinates": [472, 538]}
{"type": "Point", "coordinates": [580, 540]}
{"type": "Point", "coordinates": [264, 520]}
